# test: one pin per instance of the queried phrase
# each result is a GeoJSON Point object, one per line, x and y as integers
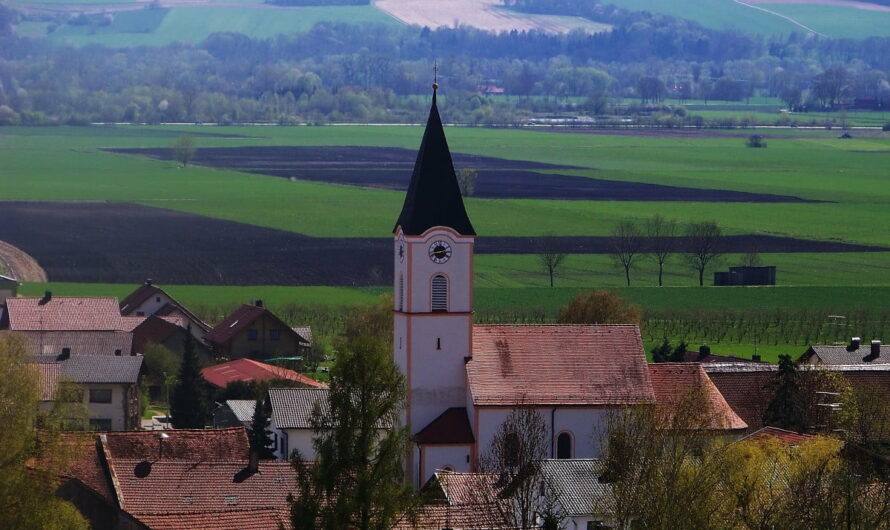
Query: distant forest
{"type": "Point", "coordinates": [367, 73]}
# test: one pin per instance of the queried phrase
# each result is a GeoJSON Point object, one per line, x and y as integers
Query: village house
{"type": "Point", "coordinates": [249, 371]}
{"type": "Point", "coordinates": [108, 386]}
{"type": "Point", "coordinates": [852, 353]}
{"type": "Point", "coordinates": [234, 413]}
{"type": "Point", "coordinates": [291, 420]}
{"type": "Point", "coordinates": [150, 300]}
{"type": "Point", "coordinates": [254, 331]}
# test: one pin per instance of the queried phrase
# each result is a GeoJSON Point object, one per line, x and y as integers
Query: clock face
{"type": "Point", "coordinates": [440, 251]}
{"type": "Point", "coordinates": [401, 252]}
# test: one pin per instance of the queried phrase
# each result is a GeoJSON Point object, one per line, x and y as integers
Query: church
{"type": "Point", "coordinates": [463, 380]}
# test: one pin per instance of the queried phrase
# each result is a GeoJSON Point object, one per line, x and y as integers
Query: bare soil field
{"type": "Point", "coordinates": [126, 243]}
{"type": "Point", "coordinates": [489, 15]}
{"type": "Point", "coordinates": [390, 168]}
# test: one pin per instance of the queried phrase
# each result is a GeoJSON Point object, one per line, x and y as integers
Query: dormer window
{"type": "Point", "coordinates": [440, 293]}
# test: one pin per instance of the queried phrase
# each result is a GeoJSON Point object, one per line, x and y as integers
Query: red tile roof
{"type": "Point", "coordinates": [62, 313]}
{"type": "Point", "coordinates": [746, 392]}
{"type": "Point", "coordinates": [182, 486]}
{"type": "Point", "coordinates": [774, 433]}
{"type": "Point", "coordinates": [673, 383]}
{"type": "Point", "coordinates": [451, 427]}
{"type": "Point", "coordinates": [558, 365]}
{"type": "Point", "coordinates": [145, 291]}
{"type": "Point", "coordinates": [87, 464]}
{"type": "Point", "coordinates": [249, 370]}
{"type": "Point", "coordinates": [153, 330]}
{"type": "Point", "coordinates": [239, 320]}
{"type": "Point", "coordinates": [461, 501]}
{"type": "Point", "coordinates": [181, 444]}
{"type": "Point", "coordinates": [251, 519]}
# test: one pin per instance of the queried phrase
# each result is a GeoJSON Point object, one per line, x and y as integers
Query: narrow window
{"type": "Point", "coordinates": [100, 395]}
{"type": "Point", "coordinates": [401, 293]}
{"type": "Point", "coordinates": [564, 445]}
{"type": "Point", "coordinates": [252, 334]}
{"type": "Point", "coordinates": [274, 334]}
{"type": "Point", "coordinates": [438, 343]}
{"type": "Point", "coordinates": [440, 293]}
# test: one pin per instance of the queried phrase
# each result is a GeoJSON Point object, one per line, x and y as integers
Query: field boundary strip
{"type": "Point", "coordinates": [780, 15]}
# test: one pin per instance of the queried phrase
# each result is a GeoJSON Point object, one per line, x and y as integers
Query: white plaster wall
{"type": "Point", "coordinates": [113, 411]}
{"type": "Point", "coordinates": [151, 306]}
{"type": "Point", "coordinates": [438, 456]}
{"type": "Point", "coordinates": [296, 440]}
{"type": "Point", "coordinates": [418, 270]}
{"type": "Point", "coordinates": [585, 425]}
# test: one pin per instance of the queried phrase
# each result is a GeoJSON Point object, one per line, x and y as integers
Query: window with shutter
{"type": "Point", "coordinates": [440, 293]}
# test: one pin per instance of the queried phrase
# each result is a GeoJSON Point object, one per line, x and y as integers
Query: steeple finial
{"type": "Point", "coordinates": [435, 79]}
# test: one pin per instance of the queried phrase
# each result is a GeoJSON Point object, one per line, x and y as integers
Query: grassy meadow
{"type": "Point", "coordinates": [850, 176]}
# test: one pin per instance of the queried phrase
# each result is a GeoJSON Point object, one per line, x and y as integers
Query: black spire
{"type": "Point", "coordinates": [433, 197]}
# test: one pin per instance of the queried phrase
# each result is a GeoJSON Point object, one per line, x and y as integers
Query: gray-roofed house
{"type": "Point", "coordinates": [853, 353]}
{"type": "Point", "coordinates": [575, 486]}
{"type": "Point", "coordinates": [292, 419]}
{"type": "Point", "coordinates": [234, 413]}
{"type": "Point", "coordinates": [110, 387]}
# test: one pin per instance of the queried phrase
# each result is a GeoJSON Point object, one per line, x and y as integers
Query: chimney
{"type": "Point", "coordinates": [65, 355]}
{"type": "Point", "coordinates": [118, 352]}
{"type": "Point", "coordinates": [253, 462]}
{"type": "Point", "coordinates": [703, 351]}
{"type": "Point", "coordinates": [855, 342]}
{"type": "Point", "coordinates": [47, 296]}
{"type": "Point", "coordinates": [756, 357]}
{"type": "Point", "coordinates": [876, 348]}
{"type": "Point", "coordinates": [148, 281]}
{"type": "Point", "coordinates": [258, 303]}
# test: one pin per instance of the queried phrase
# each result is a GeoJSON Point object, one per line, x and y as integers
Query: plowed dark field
{"type": "Point", "coordinates": [390, 168]}
{"type": "Point", "coordinates": [126, 243]}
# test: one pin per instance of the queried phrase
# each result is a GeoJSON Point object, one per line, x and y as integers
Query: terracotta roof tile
{"type": "Point", "coordinates": [78, 342]}
{"type": "Point", "coordinates": [249, 370]}
{"type": "Point", "coordinates": [746, 392]}
{"type": "Point", "coordinates": [450, 427]}
{"type": "Point", "coordinates": [672, 382]}
{"type": "Point", "coordinates": [182, 486]}
{"type": "Point", "coordinates": [462, 501]}
{"type": "Point", "coordinates": [240, 319]}
{"type": "Point", "coordinates": [565, 365]}
{"type": "Point", "coordinates": [253, 519]}
{"type": "Point", "coordinates": [154, 330]}
{"type": "Point", "coordinates": [87, 466]}
{"type": "Point", "coordinates": [62, 313]}
{"type": "Point", "coordinates": [774, 433]}
{"type": "Point", "coordinates": [181, 444]}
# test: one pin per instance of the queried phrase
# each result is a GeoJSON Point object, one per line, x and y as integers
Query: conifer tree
{"type": "Point", "coordinates": [785, 409]}
{"type": "Point", "coordinates": [189, 408]}
{"type": "Point", "coordinates": [662, 353]}
{"type": "Point", "coordinates": [679, 352]}
{"type": "Point", "coordinates": [258, 434]}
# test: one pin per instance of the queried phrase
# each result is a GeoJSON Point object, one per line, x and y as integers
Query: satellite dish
{"type": "Point", "coordinates": [142, 469]}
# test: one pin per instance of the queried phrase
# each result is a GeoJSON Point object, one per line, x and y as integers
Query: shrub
{"type": "Point", "coordinates": [756, 141]}
{"type": "Point", "coordinates": [886, 126]}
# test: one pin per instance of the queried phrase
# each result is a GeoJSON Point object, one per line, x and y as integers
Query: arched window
{"type": "Point", "coordinates": [401, 292]}
{"type": "Point", "coordinates": [440, 293]}
{"type": "Point", "coordinates": [564, 445]}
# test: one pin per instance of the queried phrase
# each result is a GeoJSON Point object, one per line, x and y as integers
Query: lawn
{"type": "Point", "coordinates": [836, 21]}
{"type": "Point", "coordinates": [155, 27]}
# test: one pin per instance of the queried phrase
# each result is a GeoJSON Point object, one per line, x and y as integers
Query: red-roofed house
{"type": "Point", "coordinates": [61, 313]}
{"type": "Point", "coordinates": [676, 383]}
{"type": "Point", "coordinates": [248, 370]}
{"type": "Point", "coordinates": [254, 331]}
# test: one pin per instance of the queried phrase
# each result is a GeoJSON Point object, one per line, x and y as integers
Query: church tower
{"type": "Point", "coordinates": [433, 283]}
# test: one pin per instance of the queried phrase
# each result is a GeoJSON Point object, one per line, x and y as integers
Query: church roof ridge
{"type": "Point", "coordinates": [433, 197]}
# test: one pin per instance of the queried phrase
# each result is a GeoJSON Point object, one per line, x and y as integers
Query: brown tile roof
{"type": "Point", "coordinates": [182, 486]}
{"type": "Point", "coordinates": [746, 392]}
{"type": "Point", "coordinates": [87, 464]}
{"type": "Point", "coordinates": [182, 444]}
{"type": "Point", "coordinates": [79, 342]}
{"type": "Point", "coordinates": [451, 427]}
{"type": "Point", "coordinates": [145, 291]}
{"type": "Point", "coordinates": [63, 313]}
{"type": "Point", "coordinates": [222, 374]}
{"type": "Point", "coordinates": [461, 501]}
{"type": "Point", "coordinates": [48, 374]}
{"type": "Point", "coordinates": [153, 330]}
{"type": "Point", "coordinates": [239, 320]}
{"type": "Point", "coordinates": [130, 323]}
{"type": "Point", "coordinates": [674, 382]}
{"type": "Point", "coordinates": [774, 433]}
{"type": "Point", "coordinates": [558, 365]}
{"type": "Point", "coordinates": [248, 519]}
{"type": "Point", "coordinates": [696, 357]}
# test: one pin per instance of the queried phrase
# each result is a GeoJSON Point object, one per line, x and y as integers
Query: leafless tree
{"type": "Point", "coordinates": [661, 233]}
{"type": "Point", "coordinates": [183, 149]}
{"type": "Point", "coordinates": [627, 243]}
{"type": "Point", "coordinates": [514, 455]}
{"type": "Point", "coordinates": [466, 180]}
{"type": "Point", "coordinates": [551, 257]}
{"type": "Point", "coordinates": [704, 242]}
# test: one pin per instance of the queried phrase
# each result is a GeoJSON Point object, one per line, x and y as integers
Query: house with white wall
{"type": "Point", "coordinates": [291, 420]}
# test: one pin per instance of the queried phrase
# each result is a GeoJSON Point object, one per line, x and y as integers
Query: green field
{"type": "Point", "coordinates": [831, 21]}
{"type": "Point", "coordinates": [64, 163]}
{"type": "Point", "coordinates": [155, 27]}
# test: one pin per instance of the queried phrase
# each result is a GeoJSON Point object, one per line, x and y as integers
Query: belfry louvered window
{"type": "Point", "coordinates": [440, 293]}
{"type": "Point", "coordinates": [401, 293]}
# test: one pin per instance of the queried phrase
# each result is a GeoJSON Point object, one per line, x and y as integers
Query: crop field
{"type": "Point", "coordinates": [297, 240]}
{"type": "Point", "coordinates": [155, 27]}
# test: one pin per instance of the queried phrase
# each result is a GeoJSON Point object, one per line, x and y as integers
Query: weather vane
{"type": "Point", "coordinates": [435, 74]}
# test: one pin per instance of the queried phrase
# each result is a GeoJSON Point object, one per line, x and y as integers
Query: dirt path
{"type": "Point", "coordinates": [780, 15]}
{"type": "Point", "coordinates": [19, 265]}
{"type": "Point", "coordinates": [865, 6]}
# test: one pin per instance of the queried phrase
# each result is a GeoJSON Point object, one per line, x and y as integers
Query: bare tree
{"type": "Point", "coordinates": [550, 256]}
{"type": "Point", "coordinates": [704, 242]}
{"type": "Point", "coordinates": [183, 149]}
{"type": "Point", "coordinates": [661, 233]}
{"type": "Point", "coordinates": [514, 455]}
{"type": "Point", "coordinates": [627, 242]}
{"type": "Point", "coordinates": [466, 181]}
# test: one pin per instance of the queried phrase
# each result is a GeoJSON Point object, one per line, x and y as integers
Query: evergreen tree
{"type": "Point", "coordinates": [258, 434]}
{"type": "Point", "coordinates": [662, 353]}
{"type": "Point", "coordinates": [189, 407]}
{"type": "Point", "coordinates": [785, 409]}
{"type": "Point", "coordinates": [357, 479]}
{"type": "Point", "coordinates": [679, 352]}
